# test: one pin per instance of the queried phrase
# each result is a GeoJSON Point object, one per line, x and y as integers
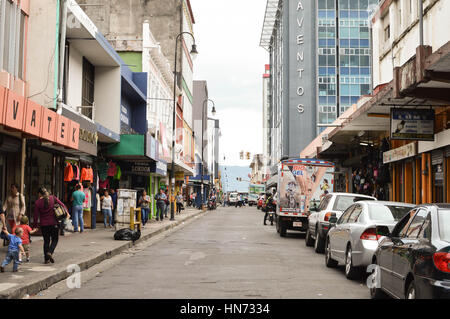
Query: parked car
{"type": "Point", "coordinates": [414, 259]}
{"type": "Point", "coordinates": [318, 222]}
{"type": "Point", "coordinates": [354, 238]}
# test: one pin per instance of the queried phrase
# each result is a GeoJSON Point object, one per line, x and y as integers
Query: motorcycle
{"type": "Point", "coordinates": [270, 213]}
{"type": "Point", "coordinates": [212, 204]}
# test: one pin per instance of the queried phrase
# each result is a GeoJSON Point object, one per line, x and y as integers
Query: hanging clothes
{"type": "Point", "coordinates": [76, 172]}
{"type": "Point", "coordinates": [118, 175]}
{"type": "Point", "coordinates": [68, 173]}
{"type": "Point", "coordinates": [112, 170]}
{"type": "Point", "coordinates": [84, 174]}
{"type": "Point", "coordinates": [102, 170]}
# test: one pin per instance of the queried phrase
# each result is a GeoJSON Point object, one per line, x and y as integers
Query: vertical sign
{"type": "Point", "coordinates": [301, 74]}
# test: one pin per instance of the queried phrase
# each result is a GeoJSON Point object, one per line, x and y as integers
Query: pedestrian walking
{"type": "Point", "coordinates": [113, 194]}
{"type": "Point", "coordinates": [144, 203]}
{"type": "Point", "coordinates": [45, 219]}
{"type": "Point", "coordinates": [107, 207]}
{"type": "Point", "coordinates": [26, 239]}
{"type": "Point", "coordinates": [15, 249]}
{"type": "Point", "coordinates": [14, 207]}
{"type": "Point", "coordinates": [180, 206]}
{"type": "Point", "coordinates": [167, 201]}
{"type": "Point", "coordinates": [160, 205]}
{"type": "Point", "coordinates": [78, 198]}
{"type": "Point", "coordinates": [3, 225]}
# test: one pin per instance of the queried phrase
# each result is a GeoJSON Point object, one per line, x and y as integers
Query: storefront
{"type": "Point", "coordinates": [60, 169]}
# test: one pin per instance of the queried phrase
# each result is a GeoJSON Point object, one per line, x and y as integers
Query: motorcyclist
{"type": "Point", "coordinates": [269, 207]}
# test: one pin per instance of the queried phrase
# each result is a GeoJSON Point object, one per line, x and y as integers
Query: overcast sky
{"type": "Point", "coordinates": [230, 59]}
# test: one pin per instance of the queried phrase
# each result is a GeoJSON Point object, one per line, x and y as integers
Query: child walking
{"type": "Point", "coordinates": [15, 249]}
{"type": "Point", "coordinates": [27, 232]}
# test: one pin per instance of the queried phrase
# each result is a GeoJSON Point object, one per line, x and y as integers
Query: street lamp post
{"type": "Point", "coordinates": [203, 139]}
{"type": "Point", "coordinates": [172, 172]}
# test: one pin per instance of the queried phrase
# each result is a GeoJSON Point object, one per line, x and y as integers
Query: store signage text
{"type": "Point", "coordinates": [19, 113]}
{"type": "Point", "coordinates": [89, 137]}
{"type": "Point", "coordinates": [300, 40]}
{"type": "Point", "coordinates": [400, 153]}
{"type": "Point", "coordinates": [412, 124]}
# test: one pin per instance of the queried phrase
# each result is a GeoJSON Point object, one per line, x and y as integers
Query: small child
{"type": "Point", "coordinates": [15, 248]}
{"type": "Point", "coordinates": [27, 232]}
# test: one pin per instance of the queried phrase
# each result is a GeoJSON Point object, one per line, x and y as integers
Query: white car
{"type": "Point", "coordinates": [318, 222]}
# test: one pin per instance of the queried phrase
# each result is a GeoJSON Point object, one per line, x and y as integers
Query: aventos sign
{"type": "Point", "coordinates": [300, 41]}
{"type": "Point", "coordinates": [21, 114]}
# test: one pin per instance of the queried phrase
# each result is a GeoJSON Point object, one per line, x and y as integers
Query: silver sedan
{"type": "Point", "coordinates": [355, 237]}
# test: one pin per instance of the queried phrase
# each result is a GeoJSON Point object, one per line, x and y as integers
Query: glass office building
{"type": "Point", "coordinates": [344, 55]}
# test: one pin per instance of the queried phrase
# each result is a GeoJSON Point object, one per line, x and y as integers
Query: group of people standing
{"type": "Point", "coordinates": [163, 204]}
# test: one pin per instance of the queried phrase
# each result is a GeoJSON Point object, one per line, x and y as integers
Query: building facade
{"type": "Point", "coordinates": [320, 65]}
{"type": "Point", "coordinates": [398, 139]}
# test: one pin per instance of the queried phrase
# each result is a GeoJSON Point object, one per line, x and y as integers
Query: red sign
{"type": "Point", "coordinates": [27, 116]}
{"type": "Point", "coordinates": [48, 128]}
{"type": "Point", "coordinates": [14, 110]}
{"type": "Point", "coordinates": [33, 118]}
{"type": "Point", "coordinates": [74, 136]}
{"type": "Point", "coordinates": [62, 131]}
{"type": "Point", "coordinates": [2, 104]}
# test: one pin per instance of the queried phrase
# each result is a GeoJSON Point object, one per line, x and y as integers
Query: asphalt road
{"type": "Point", "coordinates": [226, 254]}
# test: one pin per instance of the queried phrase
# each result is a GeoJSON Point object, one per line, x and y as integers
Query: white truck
{"type": "Point", "coordinates": [301, 185]}
{"type": "Point", "coordinates": [233, 198]}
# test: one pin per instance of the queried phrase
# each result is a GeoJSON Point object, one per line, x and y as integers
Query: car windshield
{"type": "Point", "coordinates": [387, 212]}
{"type": "Point", "coordinates": [344, 202]}
{"type": "Point", "coordinates": [444, 224]}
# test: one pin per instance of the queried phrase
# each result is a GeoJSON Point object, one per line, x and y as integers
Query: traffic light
{"type": "Point", "coordinates": [248, 156]}
{"type": "Point", "coordinates": [241, 155]}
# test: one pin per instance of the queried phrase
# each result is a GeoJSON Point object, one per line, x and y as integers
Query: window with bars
{"type": "Point", "coordinates": [88, 88]}
{"type": "Point", "coordinates": [12, 38]}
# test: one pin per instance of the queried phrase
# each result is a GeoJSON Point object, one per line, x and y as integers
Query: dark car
{"type": "Point", "coordinates": [414, 260]}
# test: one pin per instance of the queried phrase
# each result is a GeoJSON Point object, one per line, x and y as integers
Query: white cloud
{"type": "Point", "coordinates": [227, 35]}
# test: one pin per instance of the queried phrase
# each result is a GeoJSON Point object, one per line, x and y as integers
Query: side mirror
{"type": "Point", "coordinates": [333, 219]}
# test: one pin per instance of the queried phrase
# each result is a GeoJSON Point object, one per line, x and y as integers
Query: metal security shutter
{"type": "Point", "coordinates": [9, 144]}
{"type": "Point", "coordinates": [437, 157]}
{"type": "Point", "coordinates": [447, 151]}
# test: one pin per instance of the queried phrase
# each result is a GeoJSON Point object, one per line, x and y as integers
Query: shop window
{"type": "Point", "coordinates": [12, 38]}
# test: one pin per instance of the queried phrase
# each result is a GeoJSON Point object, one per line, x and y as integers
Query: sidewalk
{"type": "Point", "coordinates": [85, 250]}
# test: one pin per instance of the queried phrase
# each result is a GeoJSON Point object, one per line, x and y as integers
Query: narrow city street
{"type": "Point", "coordinates": [226, 254]}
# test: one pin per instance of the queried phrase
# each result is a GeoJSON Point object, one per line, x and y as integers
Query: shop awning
{"type": "Point", "coordinates": [131, 147]}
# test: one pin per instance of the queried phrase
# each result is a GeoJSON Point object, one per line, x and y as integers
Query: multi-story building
{"type": "Point", "coordinates": [121, 22]}
{"type": "Point", "coordinates": [320, 65]}
{"type": "Point", "coordinates": [398, 139]}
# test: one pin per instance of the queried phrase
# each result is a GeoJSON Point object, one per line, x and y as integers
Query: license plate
{"type": "Point", "coordinates": [298, 224]}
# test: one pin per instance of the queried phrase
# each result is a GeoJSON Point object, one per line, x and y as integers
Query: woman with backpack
{"type": "Point", "coordinates": [14, 207]}
{"type": "Point", "coordinates": [45, 219]}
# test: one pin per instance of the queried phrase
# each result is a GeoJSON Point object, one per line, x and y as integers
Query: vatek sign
{"type": "Point", "coordinates": [21, 114]}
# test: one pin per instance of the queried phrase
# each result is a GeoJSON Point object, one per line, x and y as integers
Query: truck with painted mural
{"type": "Point", "coordinates": [301, 185]}
{"type": "Point", "coordinates": [254, 192]}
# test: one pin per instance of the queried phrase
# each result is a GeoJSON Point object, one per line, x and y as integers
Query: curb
{"type": "Point", "coordinates": [43, 284]}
